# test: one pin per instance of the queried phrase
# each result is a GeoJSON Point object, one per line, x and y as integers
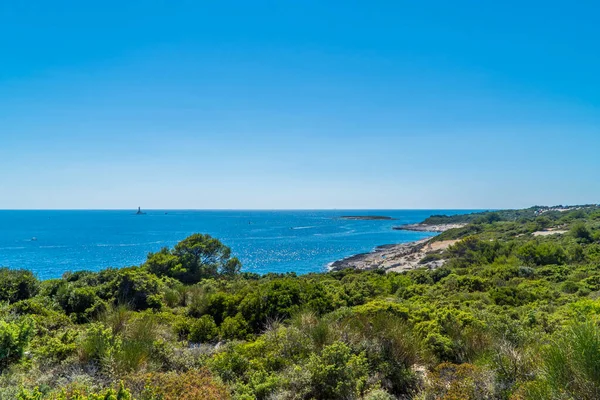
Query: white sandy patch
{"type": "Point", "coordinates": [438, 246]}
{"type": "Point", "coordinates": [548, 233]}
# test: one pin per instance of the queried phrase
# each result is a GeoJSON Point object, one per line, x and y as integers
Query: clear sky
{"type": "Point", "coordinates": [299, 104]}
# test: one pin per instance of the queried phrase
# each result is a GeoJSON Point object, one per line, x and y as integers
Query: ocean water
{"type": "Point", "coordinates": [265, 241]}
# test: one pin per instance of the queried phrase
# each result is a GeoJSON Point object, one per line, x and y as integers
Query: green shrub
{"type": "Point", "coordinates": [319, 331]}
{"type": "Point", "coordinates": [229, 364]}
{"type": "Point", "coordinates": [189, 385]}
{"type": "Point", "coordinates": [581, 232]}
{"type": "Point", "coordinates": [545, 253]}
{"type": "Point", "coordinates": [75, 392]}
{"type": "Point", "coordinates": [571, 364]}
{"type": "Point", "coordinates": [173, 297]}
{"type": "Point", "coordinates": [338, 373]}
{"type": "Point", "coordinates": [17, 285]}
{"type": "Point", "coordinates": [137, 289]}
{"type": "Point", "coordinates": [203, 330]}
{"type": "Point", "coordinates": [472, 283]}
{"type": "Point", "coordinates": [117, 317]}
{"type": "Point", "coordinates": [570, 287]}
{"type": "Point", "coordinates": [378, 394]}
{"type": "Point", "coordinates": [97, 344]}
{"type": "Point", "coordinates": [387, 308]}
{"type": "Point", "coordinates": [511, 296]}
{"type": "Point", "coordinates": [431, 257]}
{"type": "Point", "coordinates": [57, 348]}
{"type": "Point", "coordinates": [472, 251]}
{"type": "Point", "coordinates": [14, 338]}
{"type": "Point", "coordinates": [440, 346]}
{"type": "Point", "coordinates": [137, 345]}
{"type": "Point", "coordinates": [81, 302]}
{"type": "Point", "coordinates": [390, 346]}
{"type": "Point", "coordinates": [593, 282]}
{"type": "Point", "coordinates": [459, 382]}
{"type": "Point", "coordinates": [277, 299]}
{"type": "Point", "coordinates": [576, 253]}
{"type": "Point", "coordinates": [234, 327]}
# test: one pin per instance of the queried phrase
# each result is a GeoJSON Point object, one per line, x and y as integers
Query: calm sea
{"type": "Point", "coordinates": [265, 241]}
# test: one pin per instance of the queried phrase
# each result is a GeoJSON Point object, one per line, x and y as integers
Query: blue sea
{"type": "Point", "coordinates": [50, 243]}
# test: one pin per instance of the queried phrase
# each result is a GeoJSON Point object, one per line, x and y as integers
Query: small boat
{"type": "Point", "coordinates": [139, 211]}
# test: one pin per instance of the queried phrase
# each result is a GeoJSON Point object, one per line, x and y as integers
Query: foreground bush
{"type": "Point", "coordinates": [459, 382]}
{"type": "Point", "coordinates": [17, 285]}
{"type": "Point", "coordinates": [77, 393]}
{"type": "Point", "coordinates": [498, 321]}
{"type": "Point", "coordinates": [14, 338]}
{"type": "Point", "coordinates": [571, 366]}
{"type": "Point", "coordinates": [191, 385]}
{"type": "Point", "coordinates": [337, 373]}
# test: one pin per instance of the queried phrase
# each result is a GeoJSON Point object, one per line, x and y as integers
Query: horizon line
{"type": "Point", "coordinates": [253, 209]}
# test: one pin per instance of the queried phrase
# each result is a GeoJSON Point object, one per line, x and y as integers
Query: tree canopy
{"type": "Point", "coordinates": [193, 259]}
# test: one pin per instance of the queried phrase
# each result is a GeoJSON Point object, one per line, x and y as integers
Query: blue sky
{"type": "Point", "coordinates": [299, 104]}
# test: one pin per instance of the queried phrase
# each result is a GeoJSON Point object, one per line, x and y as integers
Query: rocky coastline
{"type": "Point", "coordinates": [424, 253]}
{"type": "Point", "coordinates": [439, 228]}
{"type": "Point", "coordinates": [366, 217]}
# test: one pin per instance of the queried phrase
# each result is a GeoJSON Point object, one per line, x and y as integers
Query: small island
{"type": "Point", "coordinates": [366, 217]}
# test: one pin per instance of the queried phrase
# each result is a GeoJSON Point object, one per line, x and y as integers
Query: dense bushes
{"type": "Point", "coordinates": [545, 253]}
{"type": "Point", "coordinates": [570, 366]}
{"type": "Point", "coordinates": [81, 302]}
{"type": "Point", "coordinates": [189, 385]}
{"type": "Point", "coordinates": [14, 338]}
{"type": "Point", "coordinates": [337, 373]}
{"type": "Point", "coordinates": [203, 329]}
{"type": "Point", "coordinates": [78, 393]}
{"type": "Point", "coordinates": [138, 289]}
{"type": "Point", "coordinates": [459, 382]}
{"type": "Point", "coordinates": [581, 232]}
{"type": "Point", "coordinates": [17, 285]}
{"type": "Point", "coordinates": [391, 348]}
{"type": "Point", "coordinates": [498, 321]}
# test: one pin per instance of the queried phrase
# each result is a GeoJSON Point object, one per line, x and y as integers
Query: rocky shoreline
{"type": "Point", "coordinates": [403, 256]}
{"type": "Point", "coordinates": [427, 227]}
{"type": "Point", "coordinates": [423, 253]}
{"type": "Point", "coordinates": [366, 217]}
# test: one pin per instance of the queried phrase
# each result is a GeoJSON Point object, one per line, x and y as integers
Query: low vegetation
{"type": "Point", "coordinates": [510, 315]}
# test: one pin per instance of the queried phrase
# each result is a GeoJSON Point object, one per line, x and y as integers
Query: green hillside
{"type": "Point", "coordinates": [512, 314]}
